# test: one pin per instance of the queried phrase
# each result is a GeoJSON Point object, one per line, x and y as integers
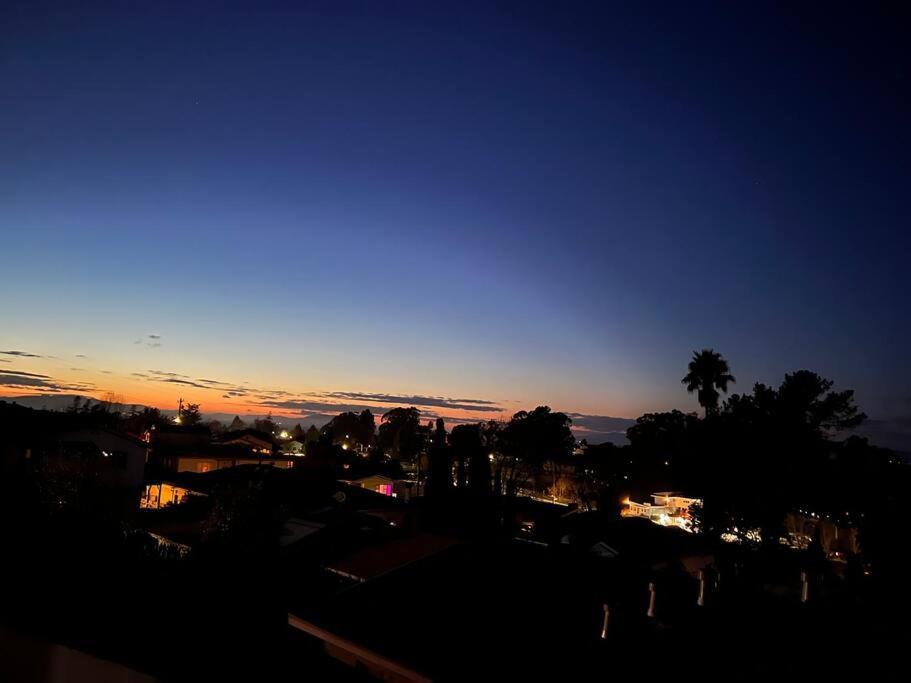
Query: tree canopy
{"type": "Point", "coordinates": [355, 429]}
{"type": "Point", "coordinates": [538, 436]}
{"type": "Point", "coordinates": [401, 434]}
{"type": "Point", "coordinates": [708, 374]}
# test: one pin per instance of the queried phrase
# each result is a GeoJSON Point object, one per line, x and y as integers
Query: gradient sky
{"type": "Point", "coordinates": [511, 203]}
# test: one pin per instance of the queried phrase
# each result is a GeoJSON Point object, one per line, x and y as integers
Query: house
{"type": "Point", "coordinates": [668, 509]}
{"type": "Point", "coordinates": [378, 483]}
{"type": "Point", "coordinates": [120, 458]}
{"type": "Point", "coordinates": [422, 609]}
{"type": "Point", "coordinates": [192, 449]}
{"type": "Point", "coordinates": [74, 445]}
{"type": "Point", "coordinates": [164, 493]}
{"type": "Point", "coordinates": [636, 542]}
{"type": "Point", "coordinates": [292, 447]}
{"type": "Point", "coordinates": [382, 558]}
{"type": "Point", "coordinates": [211, 457]}
{"type": "Point", "coordinates": [173, 435]}
{"type": "Point", "coordinates": [259, 441]}
{"type": "Point", "coordinates": [296, 529]}
{"type": "Point", "coordinates": [837, 536]}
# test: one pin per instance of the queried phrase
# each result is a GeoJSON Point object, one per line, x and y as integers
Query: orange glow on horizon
{"type": "Point", "coordinates": [129, 383]}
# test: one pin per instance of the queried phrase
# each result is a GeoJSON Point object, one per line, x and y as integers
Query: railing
{"type": "Point", "coordinates": [358, 656]}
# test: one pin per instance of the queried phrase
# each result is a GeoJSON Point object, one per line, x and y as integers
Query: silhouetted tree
{"type": "Point", "coordinates": [468, 448]}
{"type": "Point", "coordinates": [353, 429]}
{"type": "Point", "coordinates": [661, 431]}
{"type": "Point", "coordinates": [76, 406]}
{"type": "Point", "coordinates": [367, 428]}
{"type": "Point", "coordinates": [660, 444]}
{"type": "Point", "coordinates": [323, 452]}
{"type": "Point", "coordinates": [243, 518]}
{"type": "Point", "coordinates": [768, 452]}
{"type": "Point", "coordinates": [478, 444]}
{"type": "Point", "coordinates": [505, 467]}
{"type": "Point", "coordinates": [265, 424]}
{"type": "Point", "coordinates": [603, 473]}
{"type": "Point", "coordinates": [708, 373]}
{"type": "Point", "coordinates": [439, 474]}
{"type": "Point", "coordinates": [376, 455]}
{"type": "Point", "coordinates": [401, 434]}
{"type": "Point", "coordinates": [877, 483]}
{"type": "Point", "coordinates": [190, 415]}
{"type": "Point", "coordinates": [540, 438]}
{"type": "Point", "coordinates": [140, 421]}
{"type": "Point", "coordinates": [112, 403]}
{"type": "Point", "coordinates": [215, 426]}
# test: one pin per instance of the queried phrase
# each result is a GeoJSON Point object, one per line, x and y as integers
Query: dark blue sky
{"type": "Point", "coordinates": [518, 202]}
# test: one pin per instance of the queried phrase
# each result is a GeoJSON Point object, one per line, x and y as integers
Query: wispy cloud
{"type": "Point", "coordinates": [153, 341]}
{"type": "Point", "coordinates": [229, 389]}
{"type": "Point", "coordinates": [324, 402]}
{"type": "Point", "coordinates": [314, 409]}
{"type": "Point", "coordinates": [162, 373]}
{"type": "Point", "coordinates": [472, 404]}
{"type": "Point", "coordinates": [186, 382]}
{"type": "Point", "coordinates": [22, 354]}
{"type": "Point", "coordinates": [17, 379]}
{"type": "Point", "coordinates": [22, 373]}
{"type": "Point", "coordinates": [303, 406]}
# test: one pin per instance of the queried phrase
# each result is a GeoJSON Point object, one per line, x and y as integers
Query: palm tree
{"type": "Point", "coordinates": [708, 373]}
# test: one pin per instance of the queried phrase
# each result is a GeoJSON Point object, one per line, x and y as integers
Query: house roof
{"type": "Point", "coordinates": [86, 434]}
{"type": "Point", "coordinates": [374, 561]}
{"type": "Point", "coordinates": [502, 606]}
{"type": "Point", "coordinates": [219, 450]}
{"type": "Point", "coordinates": [373, 478]}
{"type": "Point", "coordinates": [170, 428]}
{"type": "Point", "coordinates": [240, 433]}
{"type": "Point", "coordinates": [297, 529]}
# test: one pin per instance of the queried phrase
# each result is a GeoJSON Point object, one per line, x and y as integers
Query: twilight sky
{"type": "Point", "coordinates": [290, 206]}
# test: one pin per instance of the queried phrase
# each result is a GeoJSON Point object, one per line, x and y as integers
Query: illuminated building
{"type": "Point", "coordinates": [377, 483]}
{"type": "Point", "coordinates": [292, 447]}
{"type": "Point", "coordinates": [163, 493]}
{"type": "Point", "coordinates": [668, 509]}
